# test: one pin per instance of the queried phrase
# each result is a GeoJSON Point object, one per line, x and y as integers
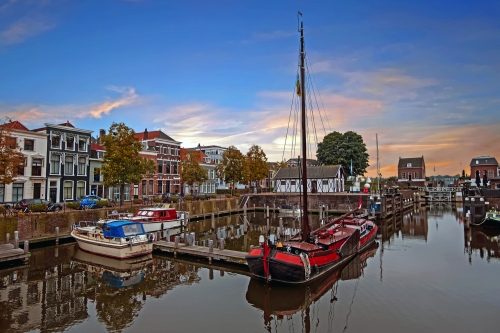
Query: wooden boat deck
{"type": "Point", "coordinates": [8, 253]}
{"type": "Point", "coordinates": [236, 257]}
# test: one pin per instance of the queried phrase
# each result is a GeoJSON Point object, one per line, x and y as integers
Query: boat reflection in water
{"type": "Point", "coordinates": [114, 272]}
{"type": "Point", "coordinates": [279, 301]}
{"type": "Point", "coordinates": [484, 241]}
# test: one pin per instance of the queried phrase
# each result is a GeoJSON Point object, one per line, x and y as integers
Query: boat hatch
{"type": "Point", "coordinates": [119, 229]}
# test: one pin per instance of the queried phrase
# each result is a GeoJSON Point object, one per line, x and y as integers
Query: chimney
{"type": "Point", "coordinates": [145, 134]}
{"type": "Point", "coordinates": [102, 133]}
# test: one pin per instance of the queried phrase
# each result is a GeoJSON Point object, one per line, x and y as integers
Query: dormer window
{"type": "Point", "coordinates": [55, 141]}
{"type": "Point", "coordinates": [477, 162]}
{"type": "Point", "coordinates": [82, 144]}
{"type": "Point", "coordinates": [408, 165]}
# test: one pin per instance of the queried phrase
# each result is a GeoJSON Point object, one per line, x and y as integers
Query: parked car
{"type": "Point", "coordinates": [51, 207]}
{"type": "Point", "coordinates": [199, 195]}
{"type": "Point", "coordinates": [89, 201]}
{"type": "Point", "coordinates": [167, 197]}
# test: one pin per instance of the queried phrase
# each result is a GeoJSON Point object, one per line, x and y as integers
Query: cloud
{"type": "Point", "coordinates": [129, 97]}
{"type": "Point", "coordinates": [24, 28]}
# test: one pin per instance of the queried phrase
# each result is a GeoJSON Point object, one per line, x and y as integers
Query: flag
{"type": "Point", "coordinates": [360, 203]}
{"type": "Point", "coordinates": [298, 86]}
{"type": "Point", "coordinates": [351, 167]}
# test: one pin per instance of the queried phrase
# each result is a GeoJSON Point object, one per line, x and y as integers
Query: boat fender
{"type": "Point", "coordinates": [151, 237]}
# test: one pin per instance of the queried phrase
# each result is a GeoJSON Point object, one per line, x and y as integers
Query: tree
{"type": "Point", "coordinates": [279, 165]}
{"type": "Point", "coordinates": [122, 162]}
{"type": "Point", "coordinates": [232, 166]}
{"type": "Point", "coordinates": [11, 157]}
{"type": "Point", "coordinates": [190, 169]}
{"type": "Point", "coordinates": [338, 148]}
{"type": "Point", "coordinates": [256, 167]}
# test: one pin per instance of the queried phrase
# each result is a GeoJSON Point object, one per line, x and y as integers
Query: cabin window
{"type": "Point", "coordinates": [131, 229]}
{"type": "Point", "coordinates": [150, 213]}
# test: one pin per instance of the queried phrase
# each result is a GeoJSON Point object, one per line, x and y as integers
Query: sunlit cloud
{"type": "Point", "coordinates": [129, 97]}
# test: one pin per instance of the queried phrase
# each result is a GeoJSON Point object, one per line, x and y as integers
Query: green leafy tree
{"type": "Point", "coordinates": [256, 167]}
{"type": "Point", "coordinates": [338, 148]}
{"type": "Point", "coordinates": [232, 166]}
{"type": "Point", "coordinates": [122, 162]}
{"type": "Point", "coordinates": [11, 157]}
{"type": "Point", "coordinates": [190, 169]}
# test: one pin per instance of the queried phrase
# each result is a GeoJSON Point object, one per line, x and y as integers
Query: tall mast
{"type": "Point", "coordinates": [305, 221]}
{"type": "Point", "coordinates": [378, 165]}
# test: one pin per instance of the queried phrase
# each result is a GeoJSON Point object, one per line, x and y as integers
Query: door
{"type": "Point", "coordinates": [53, 195]}
{"type": "Point", "coordinates": [314, 186]}
{"type": "Point", "coordinates": [37, 188]}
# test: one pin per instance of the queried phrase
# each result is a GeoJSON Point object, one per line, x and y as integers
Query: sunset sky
{"type": "Point", "coordinates": [424, 75]}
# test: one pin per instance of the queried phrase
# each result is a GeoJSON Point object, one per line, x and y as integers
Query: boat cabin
{"type": "Point", "coordinates": [156, 214]}
{"type": "Point", "coordinates": [122, 229]}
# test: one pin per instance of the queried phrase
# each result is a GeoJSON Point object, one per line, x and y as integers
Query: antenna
{"type": "Point", "coordinates": [378, 164]}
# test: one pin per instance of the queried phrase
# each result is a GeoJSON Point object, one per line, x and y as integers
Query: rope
{"type": "Point", "coordinates": [307, 265]}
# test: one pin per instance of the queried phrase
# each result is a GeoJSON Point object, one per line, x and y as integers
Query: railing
{"type": "Point", "coordinates": [440, 189]}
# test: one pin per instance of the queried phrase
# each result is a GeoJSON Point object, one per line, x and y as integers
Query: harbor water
{"type": "Point", "coordinates": [427, 273]}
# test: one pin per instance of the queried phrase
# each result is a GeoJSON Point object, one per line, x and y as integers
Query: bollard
{"type": "Point", "coordinates": [222, 243]}
{"type": "Point", "coordinates": [16, 239]}
{"type": "Point", "coordinates": [193, 238]}
{"type": "Point", "coordinates": [267, 211]}
{"type": "Point", "coordinates": [213, 221]}
{"type": "Point", "coordinates": [168, 235]}
{"type": "Point", "coordinates": [7, 238]}
{"type": "Point", "coordinates": [26, 247]}
{"type": "Point", "coordinates": [281, 227]}
{"type": "Point", "coordinates": [267, 224]}
{"type": "Point", "coordinates": [57, 235]}
{"type": "Point", "coordinates": [176, 242]}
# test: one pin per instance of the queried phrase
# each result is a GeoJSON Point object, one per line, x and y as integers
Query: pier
{"type": "Point", "coordinates": [10, 252]}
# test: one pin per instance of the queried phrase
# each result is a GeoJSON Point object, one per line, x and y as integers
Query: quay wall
{"type": "Point", "coordinates": [39, 226]}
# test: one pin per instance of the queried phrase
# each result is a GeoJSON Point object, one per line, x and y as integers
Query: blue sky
{"type": "Point", "coordinates": [424, 75]}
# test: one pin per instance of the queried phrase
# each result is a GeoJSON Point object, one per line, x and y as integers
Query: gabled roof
{"type": "Point", "coordinates": [483, 160]}
{"type": "Point", "coordinates": [96, 146]}
{"type": "Point", "coordinates": [201, 159]}
{"type": "Point", "coordinates": [326, 171]}
{"type": "Point", "coordinates": [309, 161]}
{"type": "Point", "coordinates": [153, 135]}
{"type": "Point", "coordinates": [67, 124]}
{"type": "Point", "coordinates": [15, 125]}
{"type": "Point", "coordinates": [416, 162]}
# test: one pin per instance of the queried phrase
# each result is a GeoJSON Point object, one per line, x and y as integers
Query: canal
{"type": "Point", "coordinates": [426, 274]}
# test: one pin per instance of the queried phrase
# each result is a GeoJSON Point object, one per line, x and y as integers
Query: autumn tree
{"type": "Point", "coordinates": [11, 157]}
{"type": "Point", "coordinates": [256, 167]}
{"type": "Point", "coordinates": [122, 162]}
{"type": "Point", "coordinates": [337, 148]}
{"type": "Point", "coordinates": [190, 169]}
{"type": "Point", "coordinates": [280, 164]}
{"type": "Point", "coordinates": [232, 166]}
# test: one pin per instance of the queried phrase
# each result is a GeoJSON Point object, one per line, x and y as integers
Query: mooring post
{"type": "Point", "coordinates": [254, 207]}
{"type": "Point", "coordinates": [16, 239]}
{"type": "Point", "coordinates": [280, 233]}
{"type": "Point", "coordinates": [176, 242]}
{"type": "Point", "coordinates": [245, 209]}
{"type": "Point", "coordinates": [210, 250]}
{"type": "Point", "coordinates": [26, 247]}
{"type": "Point", "coordinates": [57, 235]}
{"type": "Point", "coordinates": [193, 238]}
{"type": "Point", "coordinates": [168, 235]}
{"type": "Point", "coordinates": [7, 238]}
{"type": "Point", "coordinates": [267, 222]}
{"type": "Point", "coordinates": [222, 243]}
{"type": "Point", "coordinates": [213, 221]}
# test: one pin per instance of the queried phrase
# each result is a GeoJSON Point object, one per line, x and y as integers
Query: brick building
{"type": "Point", "coordinates": [412, 171]}
{"type": "Point", "coordinates": [484, 165]}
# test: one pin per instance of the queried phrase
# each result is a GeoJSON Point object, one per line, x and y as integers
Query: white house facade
{"type": "Point", "coordinates": [320, 179]}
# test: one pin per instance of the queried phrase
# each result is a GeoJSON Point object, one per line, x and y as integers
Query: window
{"type": "Point", "coordinates": [175, 168]}
{"type": "Point", "coordinates": [68, 165]}
{"type": "Point", "coordinates": [2, 192]}
{"type": "Point", "coordinates": [82, 144]}
{"type": "Point", "coordinates": [283, 182]}
{"type": "Point", "coordinates": [80, 189]}
{"type": "Point", "coordinates": [68, 190]}
{"type": "Point", "coordinates": [55, 164]}
{"type": "Point", "coordinates": [490, 173]}
{"type": "Point", "coordinates": [36, 167]}
{"type": "Point", "coordinates": [126, 194]}
{"type": "Point", "coordinates": [82, 163]}
{"type": "Point", "coordinates": [97, 175]}
{"type": "Point", "coordinates": [29, 144]}
{"type": "Point", "coordinates": [20, 168]}
{"type": "Point", "coordinates": [160, 166]}
{"type": "Point", "coordinates": [160, 187]}
{"type": "Point", "coordinates": [408, 165]}
{"type": "Point", "coordinates": [150, 187]}
{"type": "Point", "coordinates": [167, 167]}
{"type": "Point", "coordinates": [403, 175]}
{"type": "Point", "coordinates": [55, 141]}
{"type": "Point", "coordinates": [17, 191]}
{"type": "Point", "coordinates": [144, 187]}
{"type": "Point", "coordinates": [70, 142]}
{"type": "Point", "coordinates": [416, 175]}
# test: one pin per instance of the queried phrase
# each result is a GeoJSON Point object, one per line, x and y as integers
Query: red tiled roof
{"type": "Point", "coordinates": [153, 135]}
{"type": "Point", "coordinates": [201, 159]}
{"type": "Point", "coordinates": [67, 123]}
{"type": "Point", "coordinates": [15, 125]}
{"type": "Point", "coordinates": [96, 146]}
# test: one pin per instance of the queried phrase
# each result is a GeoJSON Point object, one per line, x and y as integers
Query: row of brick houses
{"type": "Point", "coordinates": [63, 163]}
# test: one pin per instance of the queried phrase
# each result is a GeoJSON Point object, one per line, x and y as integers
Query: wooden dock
{"type": "Point", "coordinates": [8, 252]}
{"type": "Point", "coordinates": [235, 257]}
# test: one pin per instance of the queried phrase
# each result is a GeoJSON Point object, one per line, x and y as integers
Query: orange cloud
{"type": "Point", "coordinates": [129, 97]}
